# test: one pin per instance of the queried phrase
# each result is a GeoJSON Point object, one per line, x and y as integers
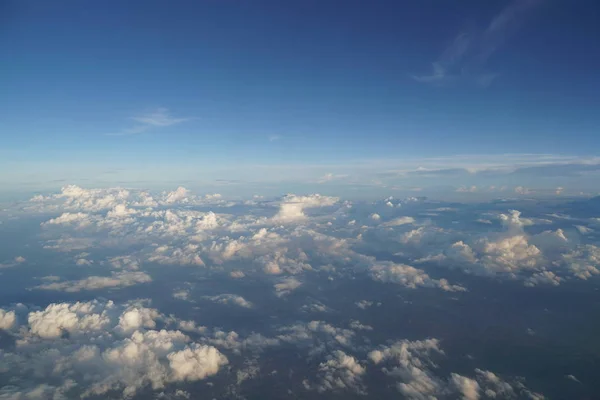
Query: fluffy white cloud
{"type": "Point", "coordinates": [467, 387]}
{"type": "Point", "coordinates": [75, 319]}
{"type": "Point", "coordinates": [317, 335]}
{"type": "Point", "coordinates": [182, 294]}
{"type": "Point", "coordinates": [116, 280]}
{"type": "Point", "coordinates": [187, 255]}
{"type": "Point", "coordinates": [237, 274]}
{"type": "Point", "coordinates": [16, 261]}
{"type": "Point", "coordinates": [364, 304]}
{"type": "Point", "coordinates": [341, 372]}
{"type": "Point", "coordinates": [510, 254]}
{"type": "Point", "coordinates": [7, 319]}
{"type": "Point", "coordinates": [583, 262]}
{"type": "Point", "coordinates": [543, 278]}
{"type": "Point", "coordinates": [292, 207]}
{"type": "Point", "coordinates": [231, 299]}
{"type": "Point", "coordinates": [96, 348]}
{"type": "Point", "coordinates": [286, 286]}
{"type": "Point", "coordinates": [413, 365]}
{"type": "Point", "coordinates": [410, 277]}
{"type": "Point", "coordinates": [411, 362]}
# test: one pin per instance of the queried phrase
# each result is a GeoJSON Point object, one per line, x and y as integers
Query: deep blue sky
{"type": "Point", "coordinates": [299, 82]}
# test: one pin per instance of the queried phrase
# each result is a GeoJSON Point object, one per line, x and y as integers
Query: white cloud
{"type": "Point", "coordinates": [408, 276]}
{"type": "Point", "coordinates": [583, 261]}
{"type": "Point", "coordinates": [510, 254]}
{"type": "Point", "coordinates": [358, 326]}
{"type": "Point", "coordinates": [187, 255]}
{"type": "Point", "coordinates": [465, 189]}
{"type": "Point", "coordinates": [411, 361]}
{"type": "Point", "coordinates": [7, 319]}
{"type": "Point", "coordinates": [467, 387]}
{"type": "Point", "coordinates": [584, 230]}
{"type": "Point", "coordinates": [116, 280]}
{"type": "Point", "coordinates": [231, 299]}
{"type": "Point", "coordinates": [182, 294]}
{"type": "Point", "coordinates": [522, 190]}
{"type": "Point", "coordinates": [543, 278]}
{"type": "Point", "coordinates": [292, 207]}
{"type": "Point", "coordinates": [76, 319]}
{"type": "Point", "coordinates": [412, 364]}
{"type": "Point", "coordinates": [400, 221]}
{"type": "Point", "coordinates": [158, 118]}
{"type": "Point", "coordinates": [96, 348]}
{"type": "Point", "coordinates": [286, 286]}
{"type": "Point", "coordinates": [16, 261]}
{"type": "Point", "coordinates": [341, 372]}
{"type": "Point", "coordinates": [237, 274]}
{"type": "Point", "coordinates": [364, 304]}
{"type": "Point", "coordinates": [465, 58]}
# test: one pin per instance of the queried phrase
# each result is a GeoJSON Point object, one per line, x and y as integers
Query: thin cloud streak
{"type": "Point", "coordinates": [159, 118]}
{"type": "Point", "coordinates": [466, 57]}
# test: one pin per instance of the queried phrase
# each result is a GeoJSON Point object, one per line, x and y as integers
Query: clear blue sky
{"type": "Point", "coordinates": [212, 87]}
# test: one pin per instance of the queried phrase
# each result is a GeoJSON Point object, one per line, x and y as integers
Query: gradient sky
{"type": "Point", "coordinates": [150, 92]}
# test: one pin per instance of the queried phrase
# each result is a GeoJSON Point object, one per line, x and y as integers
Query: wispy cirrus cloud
{"type": "Point", "coordinates": [158, 118]}
{"type": "Point", "coordinates": [465, 58]}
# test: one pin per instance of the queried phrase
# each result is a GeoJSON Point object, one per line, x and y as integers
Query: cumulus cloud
{"type": "Point", "coordinates": [409, 277]}
{"type": "Point", "coordinates": [467, 387]}
{"type": "Point", "coordinates": [7, 319]}
{"type": "Point", "coordinates": [237, 274]}
{"type": "Point", "coordinates": [103, 347]}
{"type": "Point", "coordinates": [413, 364]}
{"type": "Point", "coordinates": [286, 286]}
{"type": "Point", "coordinates": [292, 207]}
{"type": "Point", "coordinates": [116, 280]}
{"type": "Point", "coordinates": [341, 372]}
{"type": "Point", "coordinates": [231, 299]}
{"type": "Point", "coordinates": [182, 294]}
{"type": "Point", "coordinates": [543, 278]}
{"type": "Point", "coordinates": [16, 261]}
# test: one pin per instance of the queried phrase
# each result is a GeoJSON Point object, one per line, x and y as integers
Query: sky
{"type": "Point", "coordinates": [327, 96]}
{"type": "Point", "coordinates": [309, 199]}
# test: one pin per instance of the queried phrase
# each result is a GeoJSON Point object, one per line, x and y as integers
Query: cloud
{"type": "Point", "coordinates": [467, 387]}
{"type": "Point", "coordinates": [522, 190]}
{"type": "Point", "coordinates": [292, 207]}
{"type": "Point", "coordinates": [399, 221]}
{"type": "Point", "coordinates": [543, 278]}
{"type": "Point", "coordinates": [159, 118]}
{"type": "Point", "coordinates": [413, 364]}
{"type": "Point", "coordinates": [341, 372]}
{"type": "Point", "coordinates": [274, 138]}
{"type": "Point", "coordinates": [237, 274]}
{"type": "Point", "coordinates": [116, 280]}
{"type": "Point", "coordinates": [182, 294]}
{"type": "Point", "coordinates": [465, 189]}
{"type": "Point", "coordinates": [7, 319]}
{"type": "Point", "coordinates": [101, 347]}
{"type": "Point", "coordinates": [466, 57]}
{"type": "Point", "coordinates": [410, 277]}
{"type": "Point", "coordinates": [16, 261]}
{"type": "Point", "coordinates": [286, 286]}
{"type": "Point", "coordinates": [231, 299]}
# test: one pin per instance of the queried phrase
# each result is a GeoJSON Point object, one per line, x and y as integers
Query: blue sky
{"type": "Point", "coordinates": [144, 93]}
